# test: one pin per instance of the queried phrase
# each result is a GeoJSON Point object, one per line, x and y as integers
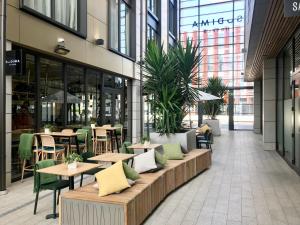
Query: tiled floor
{"type": "Point", "coordinates": [245, 186]}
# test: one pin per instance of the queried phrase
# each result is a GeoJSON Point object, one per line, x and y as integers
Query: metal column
{"type": "Point", "coordinates": [2, 97]}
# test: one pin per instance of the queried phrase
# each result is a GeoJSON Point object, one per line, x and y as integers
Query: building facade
{"type": "Point", "coordinates": [73, 61]}
{"type": "Point", "coordinates": [272, 62]}
{"type": "Point", "coordinates": [218, 27]}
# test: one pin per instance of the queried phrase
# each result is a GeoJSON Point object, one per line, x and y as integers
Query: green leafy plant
{"type": "Point", "coordinates": [49, 126]}
{"type": "Point", "coordinates": [93, 120]}
{"type": "Point", "coordinates": [144, 139]}
{"type": "Point", "coordinates": [215, 86]}
{"type": "Point", "coordinates": [74, 157]}
{"type": "Point", "coordinates": [168, 80]}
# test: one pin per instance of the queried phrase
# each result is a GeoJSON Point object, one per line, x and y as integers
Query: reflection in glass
{"type": "Point", "coordinates": [75, 95]}
{"type": "Point", "coordinates": [94, 94]}
{"type": "Point", "coordinates": [52, 92]}
{"type": "Point", "coordinates": [124, 28]}
{"type": "Point", "coordinates": [23, 110]}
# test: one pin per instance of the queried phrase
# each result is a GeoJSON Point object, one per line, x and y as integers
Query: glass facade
{"type": "Point", "coordinates": [218, 26]}
{"type": "Point", "coordinates": [65, 95]}
{"type": "Point", "coordinates": [288, 103]}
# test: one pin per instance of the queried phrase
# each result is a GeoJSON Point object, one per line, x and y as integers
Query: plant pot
{"type": "Point", "coordinates": [215, 126]}
{"type": "Point", "coordinates": [187, 139]}
{"type": "Point", "coordinates": [93, 125]}
{"type": "Point", "coordinates": [72, 166]}
{"type": "Point", "coordinates": [146, 143]}
{"type": "Point", "coordinates": [47, 131]}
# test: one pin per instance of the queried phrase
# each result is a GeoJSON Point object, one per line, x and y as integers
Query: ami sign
{"type": "Point", "coordinates": [291, 8]}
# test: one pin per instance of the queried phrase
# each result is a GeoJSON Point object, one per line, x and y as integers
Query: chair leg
{"type": "Point", "coordinates": [81, 179]}
{"type": "Point", "coordinates": [23, 170]}
{"type": "Point", "coordinates": [54, 202]}
{"type": "Point", "coordinates": [58, 197]}
{"type": "Point", "coordinates": [36, 202]}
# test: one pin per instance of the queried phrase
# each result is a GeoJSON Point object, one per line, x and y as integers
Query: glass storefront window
{"type": "Point", "coordinates": [75, 96]}
{"type": "Point", "coordinates": [93, 90]}
{"type": "Point", "coordinates": [52, 92]}
{"type": "Point", "coordinates": [23, 110]}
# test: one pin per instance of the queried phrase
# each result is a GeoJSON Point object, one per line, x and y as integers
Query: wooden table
{"type": "Point", "coordinates": [112, 131]}
{"type": "Point", "coordinates": [62, 170]}
{"type": "Point", "coordinates": [64, 135]}
{"type": "Point", "coordinates": [112, 157]}
{"type": "Point", "coordinates": [145, 147]}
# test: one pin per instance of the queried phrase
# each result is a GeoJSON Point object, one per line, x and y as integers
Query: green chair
{"type": "Point", "coordinates": [25, 152]}
{"type": "Point", "coordinates": [91, 172]}
{"type": "Point", "coordinates": [125, 149]}
{"type": "Point", "coordinates": [119, 132]}
{"type": "Point", "coordinates": [47, 182]}
{"type": "Point", "coordinates": [82, 135]}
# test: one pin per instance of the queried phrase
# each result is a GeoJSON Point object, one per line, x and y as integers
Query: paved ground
{"type": "Point", "coordinates": [245, 186]}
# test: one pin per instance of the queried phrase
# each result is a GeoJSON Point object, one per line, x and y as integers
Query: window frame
{"type": "Point", "coordinates": [153, 21]}
{"type": "Point", "coordinates": [132, 28]}
{"type": "Point", "coordinates": [81, 17]}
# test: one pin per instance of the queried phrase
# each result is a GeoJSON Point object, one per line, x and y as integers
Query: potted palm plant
{"type": "Point", "coordinates": [168, 80]}
{"type": "Point", "coordinates": [93, 122]}
{"type": "Point", "coordinates": [72, 160]}
{"type": "Point", "coordinates": [216, 87]}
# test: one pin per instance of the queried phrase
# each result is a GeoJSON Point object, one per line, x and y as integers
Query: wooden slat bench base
{"type": "Point", "coordinates": [134, 205]}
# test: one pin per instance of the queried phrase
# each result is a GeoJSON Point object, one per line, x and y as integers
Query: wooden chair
{"type": "Point", "coordinates": [49, 147]}
{"type": "Point", "coordinates": [36, 149]}
{"type": "Point", "coordinates": [119, 132]}
{"type": "Point", "coordinates": [64, 142]}
{"type": "Point", "coordinates": [101, 138]}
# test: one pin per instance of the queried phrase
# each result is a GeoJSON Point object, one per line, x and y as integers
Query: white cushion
{"type": "Point", "coordinates": [145, 162]}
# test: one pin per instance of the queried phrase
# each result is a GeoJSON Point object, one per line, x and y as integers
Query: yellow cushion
{"type": "Point", "coordinates": [203, 129]}
{"type": "Point", "coordinates": [112, 179]}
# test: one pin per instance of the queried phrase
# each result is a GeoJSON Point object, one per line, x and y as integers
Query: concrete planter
{"type": "Point", "coordinates": [187, 139]}
{"type": "Point", "coordinates": [215, 126]}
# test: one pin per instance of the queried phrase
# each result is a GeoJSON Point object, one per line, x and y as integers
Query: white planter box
{"type": "Point", "coordinates": [47, 131]}
{"type": "Point", "coordinates": [187, 140]}
{"type": "Point", "coordinates": [215, 126]}
{"type": "Point", "coordinates": [72, 166]}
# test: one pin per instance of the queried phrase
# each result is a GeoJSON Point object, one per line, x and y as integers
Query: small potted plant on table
{"type": "Point", "coordinates": [93, 122]}
{"type": "Point", "coordinates": [72, 160]}
{"type": "Point", "coordinates": [145, 140]}
{"type": "Point", "coordinates": [48, 128]}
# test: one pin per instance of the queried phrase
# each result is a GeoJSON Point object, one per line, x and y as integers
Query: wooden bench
{"type": "Point", "coordinates": [135, 204]}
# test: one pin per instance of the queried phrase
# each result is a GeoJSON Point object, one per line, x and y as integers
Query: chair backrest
{"type": "Point", "coordinates": [43, 178]}
{"type": "Point", "coordinates": [125, 148]}
{"type": "Point", "coordinates": [100, 132]}
{"type": "Point", "coordinates": [82, 135]}
{"type": "Point", "coordinates": [25, 146]}
{"type": "Point", "coordinates": [67, 131]}
{"type": "Point", "coordinates": [86, 155]}
{"type": "Point", "coordinates": [119, 131]}
{"type": "Point", "coordinates": [106, 126]}
{"type": "Point", "coordinates": [47, 141]}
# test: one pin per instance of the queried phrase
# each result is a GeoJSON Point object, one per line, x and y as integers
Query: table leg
{"type": "Point", "coordinates": [145, 150]}
{"type": "Point", "coordinates": [54, 215]}
{"type": "Point", "coordinates": [116, 136]}
{"type": "Point", "coordinates": [70, 150]}
{"type": "Point", "coordinates": [77, 145]}
{"type": "Point", "coordinates": [71, 183]}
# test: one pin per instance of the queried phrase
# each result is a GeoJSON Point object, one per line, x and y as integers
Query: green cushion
{"type": "Point", "coordinates": [160, 158]}
{"type": "Point", "coordinates": [130, 173]}
{"type": "Point", "coordinates": [173, 151]}
{"type": "Point", "coordinates": [43, 178]}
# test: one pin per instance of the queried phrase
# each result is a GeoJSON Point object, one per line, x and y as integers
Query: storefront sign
{"type": "Point", "coordinates": [217, 21]}
{"type": "Point", "coordinates": [291, 8]}
{"type": "Point", "coordinates": [14, 62]}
